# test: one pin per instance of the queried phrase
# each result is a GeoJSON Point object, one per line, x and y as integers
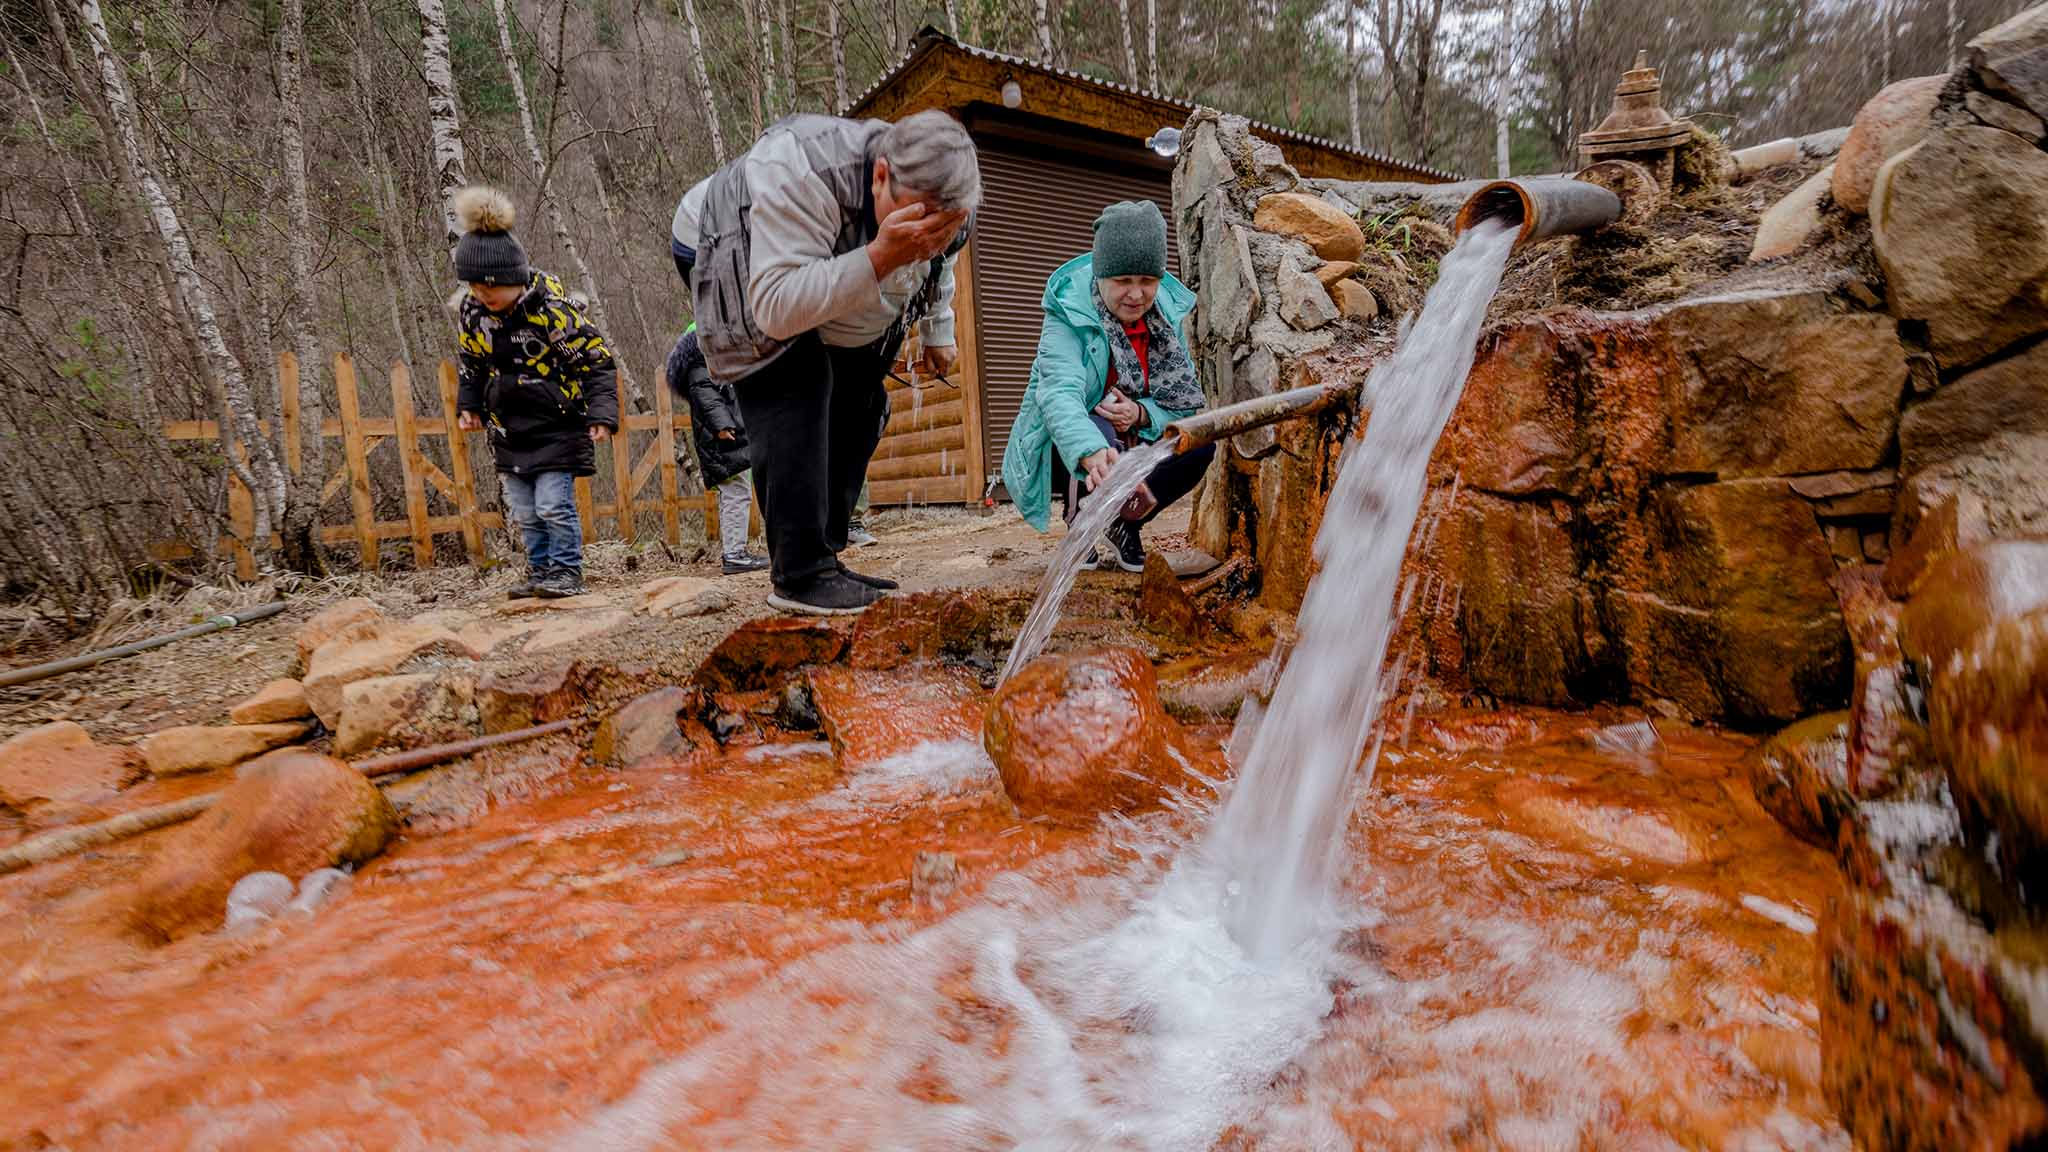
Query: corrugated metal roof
{"type": "Point", "coordinates": [929, 38]}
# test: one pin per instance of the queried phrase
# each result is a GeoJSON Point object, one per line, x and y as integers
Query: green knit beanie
{"type": "Point", "coordinates": [1130, 240]}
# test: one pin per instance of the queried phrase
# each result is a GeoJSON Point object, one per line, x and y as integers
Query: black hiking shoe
{"type": "Point", "coordinates": [883, 583]}
{"type": "Point", "coordinates": [560, 584]}
{"type": "Point", "coordinates": [1128, 549]}
{"type": "Point", "coordinates": [745, 562]}
{"type": "Point", "coordinates": [829, 595]}
{"type": "Point", "coordinates": [526, 589]}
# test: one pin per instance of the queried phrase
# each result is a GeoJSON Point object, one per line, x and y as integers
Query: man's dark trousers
{"type": "Point", "coordinates": [813, 417]}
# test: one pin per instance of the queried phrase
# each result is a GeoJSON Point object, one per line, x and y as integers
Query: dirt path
{"type": "Point", "coordinates": [196, 681]}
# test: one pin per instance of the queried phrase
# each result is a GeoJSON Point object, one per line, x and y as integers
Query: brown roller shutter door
{"type": "Point", "coordinates": [1038, 212]}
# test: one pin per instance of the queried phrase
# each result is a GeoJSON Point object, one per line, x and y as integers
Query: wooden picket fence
{"type": "Point", "coordinates": [359, 435]}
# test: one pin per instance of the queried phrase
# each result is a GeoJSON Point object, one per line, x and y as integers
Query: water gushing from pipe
{"type": "Point", "coordinates": [1279, 835]}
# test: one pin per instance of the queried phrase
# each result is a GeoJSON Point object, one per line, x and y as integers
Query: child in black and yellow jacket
{"type": "Point", "coordinates": [541, 377]}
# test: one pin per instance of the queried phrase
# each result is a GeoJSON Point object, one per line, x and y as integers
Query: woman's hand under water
{"type": "Point", "coordinates": [1096, 467]}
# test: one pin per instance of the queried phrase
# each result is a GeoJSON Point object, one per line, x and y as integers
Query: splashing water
{"type": "Point", "coordinates": [1279, 835]}
{"type": "Point", "coordinates": [1101, 507]}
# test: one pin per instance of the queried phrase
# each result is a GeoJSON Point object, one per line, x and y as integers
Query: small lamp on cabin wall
{"type": "Point", "coordinates": [1013, 95]}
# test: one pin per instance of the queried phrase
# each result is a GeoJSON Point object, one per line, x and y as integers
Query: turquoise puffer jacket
{"type": "Point", "coordinates": [1068, 380]}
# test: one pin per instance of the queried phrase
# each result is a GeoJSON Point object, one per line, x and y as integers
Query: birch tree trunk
{"type": "Point", "coordinates": [953, 20]}
{"type": "Point", "coordinates": [1152, 40]}
{"type": "Point", "coordinates": [1351, 70]}
{"type": "Point", "coordinates": [301, 539]}
{"type": "Point", "coordinates": [709, 95]}
{"type": "Point", "coordinates": [1044, 23]}
{"type": "Point", "coordinates": [261, 471]}
{"type": "Point", "coordinates": [444, 119]}
{"type": "Point", "coordinates": [1123, 19]}
{"type": "Point", "coordinates": [838, 56]}
{"type": "Point", "coordinates": [1887, 13]}
{"type": "Point", "coordinates": [789, 98]}
{"type": "Point", "coordinates": [760, 80]}
{"type": "Point", "coordinates": [1507, 87]}
{"type": "Point", "coordinates": [629, 391]}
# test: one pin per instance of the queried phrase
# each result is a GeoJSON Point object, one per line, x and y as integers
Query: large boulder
{"type": "Point", "coordinates": [1961, 225]}
{"type": "Point", "coordinates": [291, 812]}
{"type": "Point", "coordinates": [2012, 60]}
{"type": "Point", "coordinates": [2007, 397]}
{"type": "Point", "coordinates": [926, 626]}
{"type": "Point", "coordinates": [1524, 614]}
{"type": "Point", "coordinates": [1079, 736]}
{"type": "Point", "coordinates": [1932, 1028]}
{"type": "Point", "coordinates": [1327, 228]}
{"type": "Point", "coordinates": [654, 726]}
{"type": "Point", "coordinates": [1988, 711]}
{"type": "Point", "coordinates": [274, 703]}
{"type": "Point", "coordinates": [406, 712]}
{"type": "Point", "coordinates": [332, 620]}
{"type": "Point", "coordinates": [1734, 613]}
{"type": "Point", "coordinates": [872, 716]}
{"type": "Point", "coordinates": [763, 654]}
{"type": "Point", "coordinates": [1801, 777]}
{"type": "Point", "coordinates": [59, 762]}
{"type": "Point", "coordinates": [1888, 123]}
{"type": "Point", "coordinates": [194, 748]}
{"type": "Point", "coordinates": [362, 653]}
{"type": "Point", "coordinates": [1966, 593]}
{"type": "Point", "coordinates": [1777, 383]}
{"type": "Point", "coordinates": [520, 696]}
{"type": "Point", "coordinates": [1793, 221]}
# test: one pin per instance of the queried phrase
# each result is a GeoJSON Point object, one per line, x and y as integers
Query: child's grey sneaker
{"type": "Point", "coordinates": [560, 585]}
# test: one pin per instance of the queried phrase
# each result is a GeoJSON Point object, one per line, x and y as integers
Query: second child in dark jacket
{"type": "Point", "coordinates": [541, 378]}
{"type": "Point", "coordinates": [720, 440]}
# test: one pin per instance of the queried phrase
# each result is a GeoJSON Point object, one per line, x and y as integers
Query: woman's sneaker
{"type": "Point", "coordinates": [1124, 545]}
{"type": "Point", "coordinates": [832, 594]}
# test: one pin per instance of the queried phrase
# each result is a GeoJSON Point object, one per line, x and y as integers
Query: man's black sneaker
{"type": "Point", "coordinates": [1122, 538]}
{"type": "Point", "coordinates": [745, 562]}
{"type": "Point", "coordinates": [881, 582]}
{"type": "Point", "coordinates": [560, 585]}
{"type": "Point", "coordinates": [526, 589]}
{"type": "Point", "coordinates": [829, 595]}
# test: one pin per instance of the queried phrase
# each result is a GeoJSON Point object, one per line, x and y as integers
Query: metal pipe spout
{"type": "Point", "coordinates": [1222, 423]}
{"type": "Point", "coordinates": [1541, 209]}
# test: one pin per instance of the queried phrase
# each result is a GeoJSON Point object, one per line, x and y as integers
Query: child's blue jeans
{"type": "Point", "coordinates": [544, 508]}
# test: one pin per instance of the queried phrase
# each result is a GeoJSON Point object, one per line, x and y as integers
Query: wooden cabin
{"type": "Point", "coordinates": [1059, 149]}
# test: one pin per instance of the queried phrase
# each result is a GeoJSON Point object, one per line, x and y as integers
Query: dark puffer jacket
{"type": "Point", "coordinates": [542, 376]}
{"type": "Point", "coordinates": [714, 408]}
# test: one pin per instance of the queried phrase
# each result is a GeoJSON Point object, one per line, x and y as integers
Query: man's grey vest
{"type": "Point", "coordinates": [842, 154]}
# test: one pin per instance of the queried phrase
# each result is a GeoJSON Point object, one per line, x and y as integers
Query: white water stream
{"type": "Point", "coordinates": [1280, 834]}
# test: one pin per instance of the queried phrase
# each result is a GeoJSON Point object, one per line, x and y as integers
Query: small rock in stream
{"type": "Point", "coordinates": [257, 897]}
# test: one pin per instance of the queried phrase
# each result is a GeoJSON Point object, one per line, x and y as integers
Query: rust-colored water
{"type": "Point", "coordinates": [1552, 948]}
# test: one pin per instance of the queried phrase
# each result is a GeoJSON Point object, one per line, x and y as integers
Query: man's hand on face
{"type": "Point", "coordinates": [912, 234]}
{"type": "Point", "coordinates": [939, 359]}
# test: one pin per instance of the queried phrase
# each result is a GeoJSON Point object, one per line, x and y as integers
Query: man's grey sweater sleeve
{"type": "Point", "coordinates": [796, 284]}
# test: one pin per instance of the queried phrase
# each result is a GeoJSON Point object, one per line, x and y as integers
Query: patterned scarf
{"type": "Point", "coordinates": [1172, 383]}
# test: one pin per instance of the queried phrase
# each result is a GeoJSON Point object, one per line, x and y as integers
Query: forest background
{"type": "Point", "coordinates": [188, 187]}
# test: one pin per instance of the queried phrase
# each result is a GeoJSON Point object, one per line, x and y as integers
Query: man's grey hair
{"type": "Point", "coordinates": [930, 154]}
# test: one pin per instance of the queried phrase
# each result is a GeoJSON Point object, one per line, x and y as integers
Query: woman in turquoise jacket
{"type": "Point", "coordinates": [1113, 370]}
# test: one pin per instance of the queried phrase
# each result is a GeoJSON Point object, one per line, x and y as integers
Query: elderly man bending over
{"type": "Point", "coordinates": [809, 259]}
